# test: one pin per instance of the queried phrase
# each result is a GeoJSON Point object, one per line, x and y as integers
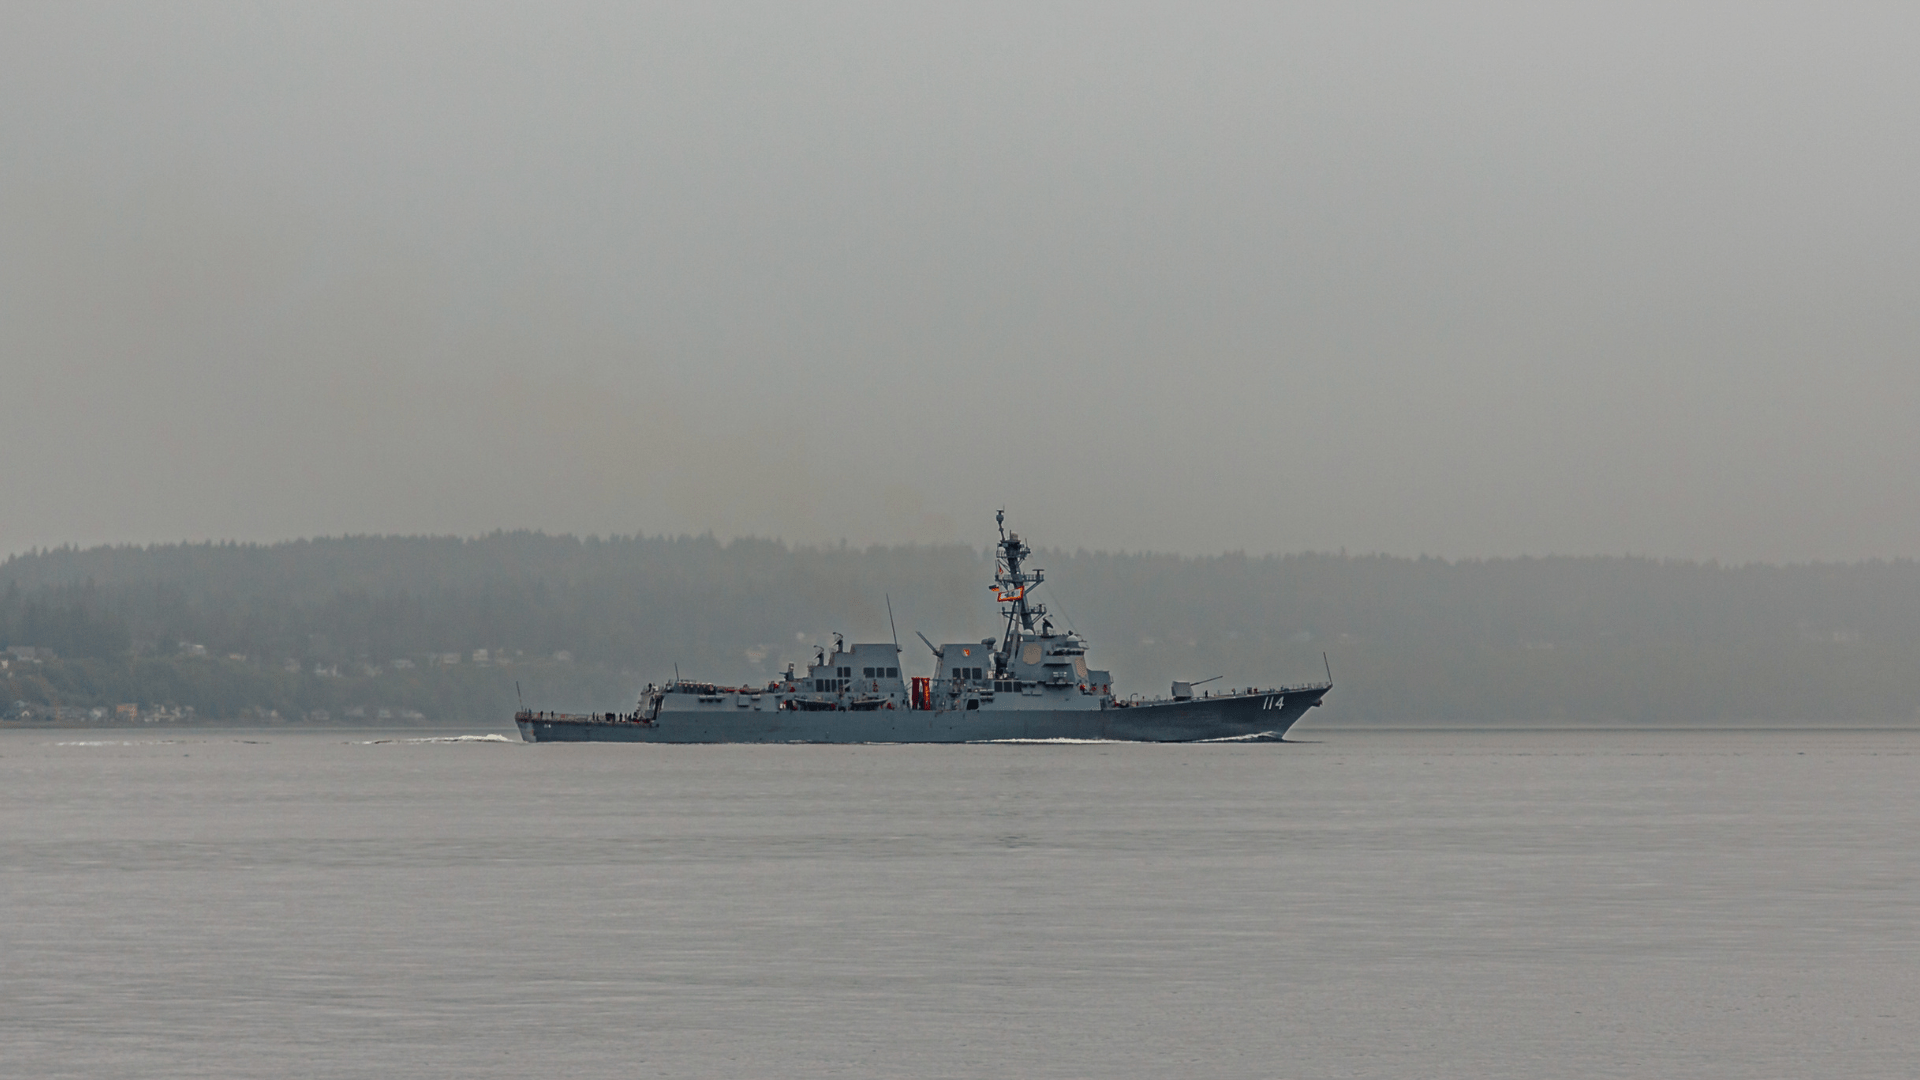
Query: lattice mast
{"type": "Point", "coordinates": [1011, 583]}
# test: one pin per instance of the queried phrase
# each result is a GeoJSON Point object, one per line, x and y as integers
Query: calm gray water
{"type": "Point", "coordinates": [1386, 904]}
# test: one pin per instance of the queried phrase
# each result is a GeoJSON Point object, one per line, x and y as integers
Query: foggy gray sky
{"type": "Point", "coordinates": [1463, 279]}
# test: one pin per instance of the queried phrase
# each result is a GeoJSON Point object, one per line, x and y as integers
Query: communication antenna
{"type": "Point", "coordinates": [1054, 591]}
{"type": "Point", "coordinates": [516, 693]}
{"type": "Point", "coordinates": [1329, 666]}
{"type": "Point", "coordinates": [890, 626]}
{"type": "Point", "coordinates": [923, 637]}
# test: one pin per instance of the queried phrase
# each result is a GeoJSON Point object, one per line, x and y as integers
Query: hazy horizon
{"type": "Point", "coordinates": [1471, 281]}
{"type": "Point", "coordinates": [984, 548]}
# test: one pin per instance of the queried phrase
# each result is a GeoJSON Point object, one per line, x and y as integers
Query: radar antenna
{"type": "Point", "coordinates": [891, 626]}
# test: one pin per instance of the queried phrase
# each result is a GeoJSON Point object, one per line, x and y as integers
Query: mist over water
{"type": "Point", "coordinates": [256, 903]}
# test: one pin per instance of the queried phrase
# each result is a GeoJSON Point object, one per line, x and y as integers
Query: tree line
{"type": "Point", "coordinates": [323, 624]}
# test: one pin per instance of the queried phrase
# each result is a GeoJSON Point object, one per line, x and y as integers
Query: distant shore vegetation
{"type": "Point", "coordinates": [405, 629]}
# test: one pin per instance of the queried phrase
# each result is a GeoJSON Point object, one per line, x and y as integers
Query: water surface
{"type": "Point", "coordinates": [240, 903]}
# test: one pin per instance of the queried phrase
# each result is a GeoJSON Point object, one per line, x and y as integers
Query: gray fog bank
{"type": "Point", "coordinates": [1472, 280]}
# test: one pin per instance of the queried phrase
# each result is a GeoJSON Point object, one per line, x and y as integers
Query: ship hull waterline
{"type": "Point", "coordinates": [1194, 720]}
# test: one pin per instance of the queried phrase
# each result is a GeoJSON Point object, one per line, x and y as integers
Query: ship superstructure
{"type": "Point", "coordinates": [1032, 682]}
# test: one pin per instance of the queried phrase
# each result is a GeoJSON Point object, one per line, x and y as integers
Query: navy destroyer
{"type": "Point", "coordinates": [1031, 683]}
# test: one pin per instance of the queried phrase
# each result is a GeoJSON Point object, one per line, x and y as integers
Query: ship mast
{"type": "Point", "coordinates": [1010, 585]}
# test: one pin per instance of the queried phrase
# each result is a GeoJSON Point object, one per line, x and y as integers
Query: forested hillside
{"type": "Point", "coordinates": [444, 627]}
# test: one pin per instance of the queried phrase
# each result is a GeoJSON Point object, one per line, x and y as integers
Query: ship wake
{"type": "Point", "coordinates": [490, 738]}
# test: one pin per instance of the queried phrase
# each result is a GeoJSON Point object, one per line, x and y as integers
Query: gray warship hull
{"type": "Point", "coordinates": [1268, 714]}
{"type": "Point", "coordinates": [1030, 684]}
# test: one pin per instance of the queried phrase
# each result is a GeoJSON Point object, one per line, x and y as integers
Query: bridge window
{"type": "Point", "coordinates": [893, 673]}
